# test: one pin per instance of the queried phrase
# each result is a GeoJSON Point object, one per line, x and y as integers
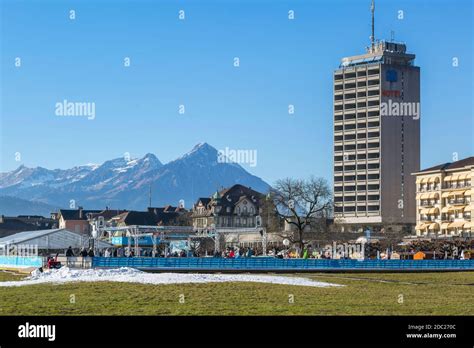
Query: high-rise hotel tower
{"type": "Point", "coordinates": [376, 137]}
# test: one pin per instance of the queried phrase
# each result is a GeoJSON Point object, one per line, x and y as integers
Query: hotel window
{"type": "Point", "coordinates": [373, 135]}
{"type": "Point", "coordinates": [373, 165]}
{"type": "Point", "coordinates": [349, 137]}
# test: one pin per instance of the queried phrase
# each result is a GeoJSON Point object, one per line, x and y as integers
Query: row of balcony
{"type": "Point", "coordinates": [361, 74]}
{"type": "Point", "coordinates": [361, 118]}
{"type": "Point", "coordinates": [459, 201]}
{"type": "Point", "coordinates": [428, 188]}
{"type": "Point", "coordinates": [360, 96]}
{"type": "Point", "coordinates": [439, 218]}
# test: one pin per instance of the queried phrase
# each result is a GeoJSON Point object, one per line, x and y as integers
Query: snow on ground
{"type": "Point", "coordinates": [131, 275]}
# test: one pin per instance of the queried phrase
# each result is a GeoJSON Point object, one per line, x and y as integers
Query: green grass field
{"type": "Point", "coordinates": [364, 294]}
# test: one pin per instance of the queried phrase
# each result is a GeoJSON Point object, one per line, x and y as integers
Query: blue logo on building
{"type": "Point", "coordinates": [391, 76]}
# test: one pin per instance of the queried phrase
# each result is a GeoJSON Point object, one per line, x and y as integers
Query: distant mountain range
{"type": "Point", "coordinates": [122, 184]}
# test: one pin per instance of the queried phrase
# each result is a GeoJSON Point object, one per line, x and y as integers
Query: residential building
{"type": "Point", "coordinates": [75, 220]}
{"type": "Point", "coordinates": [237, 206]}
{"type": "Point", "coordinates": [444, 199]}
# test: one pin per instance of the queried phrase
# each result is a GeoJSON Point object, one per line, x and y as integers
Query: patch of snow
{"type": "Point", "coordinates": [131, 275]}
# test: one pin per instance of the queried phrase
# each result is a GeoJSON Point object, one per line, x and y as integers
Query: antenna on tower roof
{"type": "Point", "coordinates": [372, 37]}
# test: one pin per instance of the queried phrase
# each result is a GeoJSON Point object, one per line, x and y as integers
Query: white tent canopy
{"type": "Point", "coordinates": [51, 239]}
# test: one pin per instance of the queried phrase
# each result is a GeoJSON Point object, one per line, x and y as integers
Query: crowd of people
{"type": "Point", "coordinates": [447, 249]}
{"type": "Point", "coordinates": [235, 252]}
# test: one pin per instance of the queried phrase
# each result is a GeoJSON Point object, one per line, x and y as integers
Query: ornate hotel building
{"type": "Point", "coordinates": [444, 199]}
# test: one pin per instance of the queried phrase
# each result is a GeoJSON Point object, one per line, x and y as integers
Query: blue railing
{"type": "Point", "coordinates": [21, 261]}
{"type": "Point", "coordinates": [274, 264]}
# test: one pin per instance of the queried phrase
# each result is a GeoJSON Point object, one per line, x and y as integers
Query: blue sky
{"type": "Point", "coordinates": [190, 62]}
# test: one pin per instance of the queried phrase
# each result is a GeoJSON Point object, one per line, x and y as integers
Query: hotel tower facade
{"type": "Point", "coordinates": [376, 138]}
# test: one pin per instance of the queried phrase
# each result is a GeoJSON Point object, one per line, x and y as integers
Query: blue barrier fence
{"type": "Point", "coordinates": [21, 261]}
{"type": "Point", "coordinates": [274, 264]}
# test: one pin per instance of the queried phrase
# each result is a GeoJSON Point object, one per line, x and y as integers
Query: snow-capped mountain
{"type": "Point", "coordinates": [125, 184]}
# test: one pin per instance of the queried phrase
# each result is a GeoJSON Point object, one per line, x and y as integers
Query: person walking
{"type": "Point", "coordinates": [90, 253]}
{"type": "Point", "coordinates": [69, 252]}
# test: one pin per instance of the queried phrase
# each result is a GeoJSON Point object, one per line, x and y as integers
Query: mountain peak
{"type": "Point", "coordinates": [150, 156]}
{"type": "Point", "coordinates": [201, 149]}
{"type": "Point", "coordinates": [202, 146]}
{"type": "Point", "coordinates": [20, 167]}
{"type": "Point", "coordinates": [151, 160]}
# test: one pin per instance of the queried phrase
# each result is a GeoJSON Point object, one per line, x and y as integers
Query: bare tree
{"type": "Point", "coordinates": [301, 203]}
{"type": "Point", "coordinates": [199, 246]}
{"type": "Point", "coordinates": [271, 221]}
